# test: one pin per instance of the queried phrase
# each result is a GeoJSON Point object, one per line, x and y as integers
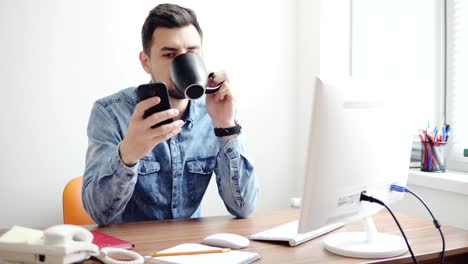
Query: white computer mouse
{"type": "Point", "coordinates": [226, 240]}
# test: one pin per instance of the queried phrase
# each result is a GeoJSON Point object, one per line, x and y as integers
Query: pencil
{"type": "Point", "coordinates": [221, 250]}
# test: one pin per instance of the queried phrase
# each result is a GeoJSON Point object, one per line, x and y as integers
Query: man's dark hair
{"type": "Point", "coordinates": [168, 16]}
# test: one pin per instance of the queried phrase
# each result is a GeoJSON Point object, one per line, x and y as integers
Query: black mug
{"type": "Point", "coordinates": [190, 77]}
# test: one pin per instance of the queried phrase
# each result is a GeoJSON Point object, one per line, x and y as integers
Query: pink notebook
{"type": "Point", "coordinates": [105, 240]}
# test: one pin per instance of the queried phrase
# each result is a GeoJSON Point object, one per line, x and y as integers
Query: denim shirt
{"type": "Point", "coordinates": [171, 180]}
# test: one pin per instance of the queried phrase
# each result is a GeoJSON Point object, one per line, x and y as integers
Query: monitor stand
{"type": "Point", "coordinates": [368, 244]}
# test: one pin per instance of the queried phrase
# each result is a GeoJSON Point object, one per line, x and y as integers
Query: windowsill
{"type": "Point", "coordinates": [449, 181]}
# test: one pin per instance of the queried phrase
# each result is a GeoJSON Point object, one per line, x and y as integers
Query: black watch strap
{"type": "Point", "coordinates": [222, 132]}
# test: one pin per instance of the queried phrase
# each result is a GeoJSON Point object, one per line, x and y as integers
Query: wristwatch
{"type": "Point", "coordinates": [222, 132]}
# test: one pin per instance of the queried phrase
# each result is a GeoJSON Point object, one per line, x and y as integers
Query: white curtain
{"type": "Point", "coordinates": [398, 41]}
{"type": "Point", "coordinates": [457, 80]}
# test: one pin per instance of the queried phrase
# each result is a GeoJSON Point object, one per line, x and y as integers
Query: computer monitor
{"type": "Point", "coordinates": [359, 141]}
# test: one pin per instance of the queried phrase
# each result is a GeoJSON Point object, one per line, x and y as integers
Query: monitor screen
{"type": "Point", "coordinates": [360, 140]}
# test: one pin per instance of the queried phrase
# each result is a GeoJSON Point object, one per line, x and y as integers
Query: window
{"type": "Point", "coordinates": [399, 40]}
{"type": "Point", "coordinates": [423, 43]}
{"type": "Point", "coordinates": [456, 22]}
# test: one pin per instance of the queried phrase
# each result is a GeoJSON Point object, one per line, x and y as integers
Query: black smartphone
{"type": "Point", "coordinates": [158, 89]}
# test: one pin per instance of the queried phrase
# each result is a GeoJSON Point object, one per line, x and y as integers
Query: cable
{"type": "Point", "coordinates": [371, 199]}
{"type": "Point", "coordinates": [434, 220]}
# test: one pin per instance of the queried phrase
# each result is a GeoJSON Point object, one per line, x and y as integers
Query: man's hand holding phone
{"type": "Point", "coordinates": [146, 131]}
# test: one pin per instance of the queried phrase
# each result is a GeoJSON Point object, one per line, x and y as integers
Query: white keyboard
{"type": "Point", "coordinates": [288, 232]}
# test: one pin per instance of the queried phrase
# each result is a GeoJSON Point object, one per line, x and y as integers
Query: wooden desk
{"type": "Point", "coordinates": [153, 236]}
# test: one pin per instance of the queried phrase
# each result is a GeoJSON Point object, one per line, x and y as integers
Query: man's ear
{"type": "Point", "coordinates": [145, 62]}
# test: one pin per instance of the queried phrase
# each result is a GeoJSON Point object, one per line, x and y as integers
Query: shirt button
{"type": "Point", "coordinates": [229, 150]}
{"type": "Point", "coordinates": [174, 206]}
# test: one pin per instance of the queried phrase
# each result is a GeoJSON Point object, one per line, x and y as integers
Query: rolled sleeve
{"type": "Point", "coordinates": [236, 179]}
{"type": "Point", "coordinates": [108, 183]}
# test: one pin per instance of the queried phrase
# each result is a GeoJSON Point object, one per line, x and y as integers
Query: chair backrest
{"type": "Point", "coordinates": [73, 210]}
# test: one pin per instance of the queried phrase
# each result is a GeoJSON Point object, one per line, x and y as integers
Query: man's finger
{"type": "Point", "coordinates": [167, 128]}
{"type": "Point", "coordinates": [218, 77]}
{"type": "Point", "coordinates": [224, 93]}
{"type": "Point", "coordinates": [168, 135]}
{"type": "Point", "coordinates": [159, 117]}
{"type": "Point", "coordinates": [144, 105]}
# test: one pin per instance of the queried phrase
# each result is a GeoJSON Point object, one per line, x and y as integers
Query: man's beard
{"type": "Point", "coordinates": [174, 93]}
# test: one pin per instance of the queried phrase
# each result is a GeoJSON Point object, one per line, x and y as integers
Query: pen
{"type": "Point", "coordinates": [162, 254]}
{"type": "Point", "coordinates": [448, 129]}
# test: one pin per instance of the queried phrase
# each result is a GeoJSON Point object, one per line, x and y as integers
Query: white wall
{"type": "Point", "coordinates": [58, 57]}
{"type": "Point", "coordinates": [445, 194]}
{"type": "Point", "coordinates": [447, 206]}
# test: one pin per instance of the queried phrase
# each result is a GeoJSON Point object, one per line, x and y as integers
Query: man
{"type": "Point", "coordinates": [136, 173]}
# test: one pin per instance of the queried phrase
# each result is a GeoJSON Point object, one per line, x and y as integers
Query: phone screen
{"type": "Point", "coordinates": [159, 89]}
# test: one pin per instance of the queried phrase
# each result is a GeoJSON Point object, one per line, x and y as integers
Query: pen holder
{"type": "Point", "coordinates": [433, 156]}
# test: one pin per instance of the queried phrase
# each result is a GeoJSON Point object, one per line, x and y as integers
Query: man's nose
{"type": "Point", "coordinates": [183, 51]}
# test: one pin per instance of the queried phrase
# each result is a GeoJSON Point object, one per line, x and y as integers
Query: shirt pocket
{"type": "Point", "coordinates": [199, 174]}
{"type": "Point", "coordinates": [148, 181]}
{"type": "Point", "coordinates": [146, 167]}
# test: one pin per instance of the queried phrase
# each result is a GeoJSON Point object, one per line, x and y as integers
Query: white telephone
{"type": "Point", "coordinates": [61, 244]}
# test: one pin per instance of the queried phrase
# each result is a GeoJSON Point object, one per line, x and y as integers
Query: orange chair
{"type": "Point", "coordinates": [73, 210]}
